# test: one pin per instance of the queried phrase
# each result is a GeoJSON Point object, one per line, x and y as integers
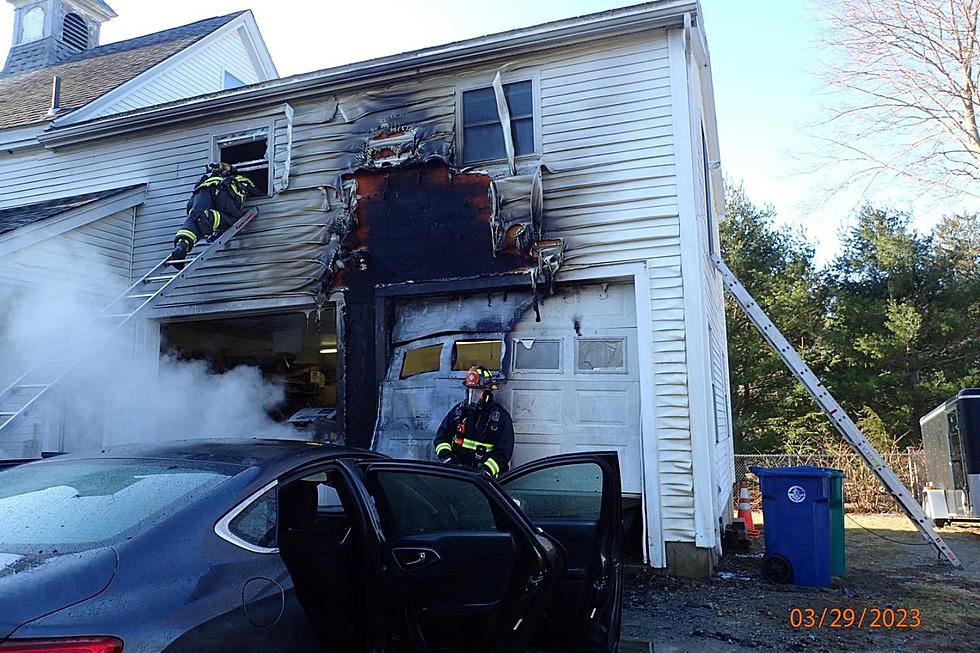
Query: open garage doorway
{"type": "Point", "coordinates": [300, 350]}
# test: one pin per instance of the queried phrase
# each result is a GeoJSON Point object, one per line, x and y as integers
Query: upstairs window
{"type": "Point", "coordinates": [483, 136]}
{"type": "Point", "coordinates": [249, 153]}
{"type": "Point", "coordinates": [74, 32]}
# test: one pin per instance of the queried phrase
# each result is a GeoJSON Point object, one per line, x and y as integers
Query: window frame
{"type": "Point", "coordinates": [516, 342]}
{"type": "Point", "coordinates": [222, 528]}
{"type": "Point", "coordinates": [496, 372]}
{"type": "Point", "coordinates": [223, 136]}
{"type": "Point", "coordinates": [408, 348]}
{"type": "Point", "coordinates": [625, 369]}
{"type": "Point", "coordinates": [482, 82]}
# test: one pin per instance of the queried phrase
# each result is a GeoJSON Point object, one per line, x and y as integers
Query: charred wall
{"type": "Point", "coordinates": [420, 224]}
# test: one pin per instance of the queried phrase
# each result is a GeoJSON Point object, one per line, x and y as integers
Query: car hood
{"type": "Point", "coordinates": [34, 585]}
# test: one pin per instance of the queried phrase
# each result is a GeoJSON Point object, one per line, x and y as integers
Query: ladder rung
{"type": "Point", "coordinates": [166, 277]}
{"type": "Point", "coordinates": [141, 295]}
{"type": "Point", "coordinates": [30, 386]}
{"type": "Point", "coordinates": [5, 414]}
{"type": "Point", "coordinates": [183, 260]}
{"type": "Point", "coordinates": [114, 316]}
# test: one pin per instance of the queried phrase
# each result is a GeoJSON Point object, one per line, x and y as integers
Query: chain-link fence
{"type": "Point", "coordinates": [863, 492]}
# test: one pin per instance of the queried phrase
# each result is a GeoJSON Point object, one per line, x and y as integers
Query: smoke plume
{"type": "Point", "coordinates": [121, 393]}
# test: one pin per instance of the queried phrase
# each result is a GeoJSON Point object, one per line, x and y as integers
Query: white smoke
{"type": "Point", "coordinates": [122, 393]}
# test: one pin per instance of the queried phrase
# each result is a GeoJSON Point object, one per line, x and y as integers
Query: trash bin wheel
{"type": "Point", "coordinates": [777, 569]}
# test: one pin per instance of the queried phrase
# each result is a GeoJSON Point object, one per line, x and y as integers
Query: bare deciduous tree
{"type": "Point", "coordinates": [905, 76]}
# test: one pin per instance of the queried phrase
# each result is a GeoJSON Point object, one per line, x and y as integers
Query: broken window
{"type": "Point", "coordinates": [483, 136]}
{"type": "Point", "coordinates": [249, 153]}
{"type": "Point", "coordinates": [537, 355]}
{"type": "Point", "coordinates": [257, 523]}
{"type": "Point", "coordinates": [421, 360]}
{"type": "Point", "coordinates": [600, 355]}
{"type": "Point", "coordinates": [467, 353]}
{"type": "Point", "coordinates": [230, 81]}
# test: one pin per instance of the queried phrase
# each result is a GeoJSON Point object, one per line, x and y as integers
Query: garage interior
{"type": "Point", "coordinates": [300, 350]}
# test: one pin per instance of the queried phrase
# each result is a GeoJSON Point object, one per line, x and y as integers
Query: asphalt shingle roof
{"type": "Point", "coordinates": [21, 216]}
{"type": "Point", "coordinates": [25, 98]}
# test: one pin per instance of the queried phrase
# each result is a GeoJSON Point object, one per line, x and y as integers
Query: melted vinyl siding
{"type": "Point", "coordinates": [199, 74]}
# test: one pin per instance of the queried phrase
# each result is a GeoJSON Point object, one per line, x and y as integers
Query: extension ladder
{"type": "Point", "coordinates": [22, 396]}
{"type": "Point", "coordinates": [833, 410]}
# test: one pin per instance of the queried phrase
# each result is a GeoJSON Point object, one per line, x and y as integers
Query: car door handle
{"type": "Point", "coordinates": [412, 558]}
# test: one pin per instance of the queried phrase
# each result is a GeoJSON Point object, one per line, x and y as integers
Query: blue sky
{"type": "Point", "coordinates": [763, 53]}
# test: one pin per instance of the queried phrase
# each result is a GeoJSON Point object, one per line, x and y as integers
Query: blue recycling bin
{"type": "Point", "coordinates": [796, 512]}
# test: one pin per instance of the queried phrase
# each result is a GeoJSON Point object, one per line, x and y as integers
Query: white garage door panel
{"type": "Point", "coordinates": [571, 404]}
{"type": "Point", "coordinates": [608, 408]}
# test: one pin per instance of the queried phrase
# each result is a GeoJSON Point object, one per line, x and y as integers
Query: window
{"type": "Point", "coordinates": [249, 153]}
{"type": "Point", "coordinates": [600, 355]}
{"type": "Point", "coordinates": [467, 353]}
{"type": "Point", "coordinates": [418, 503]}
{"type": "Point", "coordinates": [230, 81]}
{"type": "Point", "coordinates": [79, 505]}
{"type": "Point", "coordinates": [537, 355]}
{"type": "Point", "coordinates": [74, 32]}
{"type": "Point", "coordinates": [483, 136]}
{"type": "Point", "coordinates": [565, 492]}
{"type": "Point", "coordinates": [257, 523]}
{"type": "Point", "coordinates": [421, 360]}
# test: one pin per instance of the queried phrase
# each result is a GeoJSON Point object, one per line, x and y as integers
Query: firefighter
{"type": "Point", "coordinates": [477, 432]}
{"type": "Point", "coordinates": [217, 202]}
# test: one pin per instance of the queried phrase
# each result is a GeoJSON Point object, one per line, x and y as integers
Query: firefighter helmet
{"type": "Point", "coordinates": [480, 378]}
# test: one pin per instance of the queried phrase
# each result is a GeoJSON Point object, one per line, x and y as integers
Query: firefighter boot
{"type": "Point", "coordinates": [177, 257]}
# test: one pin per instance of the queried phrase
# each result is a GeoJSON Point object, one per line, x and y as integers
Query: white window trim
{"type": "Point", "coordinates": [229, 134]}
{"type": "Point", "coordinates": [486, 81]}
{"type": "Point", "coordinates": [516, 342]}
{"type": "Point", "coordinates": [618, 370]}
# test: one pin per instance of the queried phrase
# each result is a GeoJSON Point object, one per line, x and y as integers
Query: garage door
{"type": "Point", "coordinates": [571, 379]}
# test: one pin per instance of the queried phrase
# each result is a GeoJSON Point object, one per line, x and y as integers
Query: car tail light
{"type": "Point", "coordinates": [63, 645]}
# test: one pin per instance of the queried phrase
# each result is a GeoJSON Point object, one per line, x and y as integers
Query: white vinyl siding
{"type": "Point", "coordinates": [94, 258]}
{"type": "Point", "coordinates": [204, 72]}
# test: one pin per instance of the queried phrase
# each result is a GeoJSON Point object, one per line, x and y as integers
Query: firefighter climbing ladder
{"type": "Point", "coordinates": [139, 298]}
{"type": "Point", "coordinates": [834, 412]}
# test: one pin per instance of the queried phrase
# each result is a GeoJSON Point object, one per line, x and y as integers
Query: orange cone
{"type": "Point", "coordinates": [745, 511]}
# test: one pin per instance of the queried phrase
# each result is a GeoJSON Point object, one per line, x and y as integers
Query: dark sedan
{"type": "Point", "coordinates": [256, 545]}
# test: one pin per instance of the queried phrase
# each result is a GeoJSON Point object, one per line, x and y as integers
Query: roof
{"type": "Point", "coordinates": [244, 451]}
{"type": "Point", "coordinates": [25, 98]}
{"type": "Point", "coordinates": [22, 216]}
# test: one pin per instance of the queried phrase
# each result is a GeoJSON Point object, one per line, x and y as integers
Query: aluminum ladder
{"type": "Point", "coordinates": [835, 413]}
{"type": "Point", "coordinates": [28, 389]}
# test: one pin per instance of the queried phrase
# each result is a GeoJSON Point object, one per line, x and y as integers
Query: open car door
{"type": "Point", "coordinates": [577, 500]}
{"type": "Point", "coordinates": [459, 567]}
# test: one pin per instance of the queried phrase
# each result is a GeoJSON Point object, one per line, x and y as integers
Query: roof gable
{"type": "Point", "coordinates": [87, 76]}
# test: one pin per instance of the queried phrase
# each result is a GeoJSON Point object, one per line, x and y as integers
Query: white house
{"type": "Point", "coordinates": [542, 201]}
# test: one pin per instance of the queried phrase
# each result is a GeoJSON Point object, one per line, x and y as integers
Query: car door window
{"type": "Point", "coordinates": [565, 492]}
{"type": "Point", "coordinates": [257, 523]}
{"type": "Point", "coordinates": [422, 504]}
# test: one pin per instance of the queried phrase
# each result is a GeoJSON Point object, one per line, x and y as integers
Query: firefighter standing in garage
{"type": "Point", "coordinates": [478, 432]}
{"type": "Point", "coordinates": [217, 202]}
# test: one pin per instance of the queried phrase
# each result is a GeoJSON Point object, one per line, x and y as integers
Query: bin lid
{"type": "Point", "coordinates": [807, 471]}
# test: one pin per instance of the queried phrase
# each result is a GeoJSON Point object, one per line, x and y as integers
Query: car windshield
{"type": "Point", "coordinates": [74, 505]}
